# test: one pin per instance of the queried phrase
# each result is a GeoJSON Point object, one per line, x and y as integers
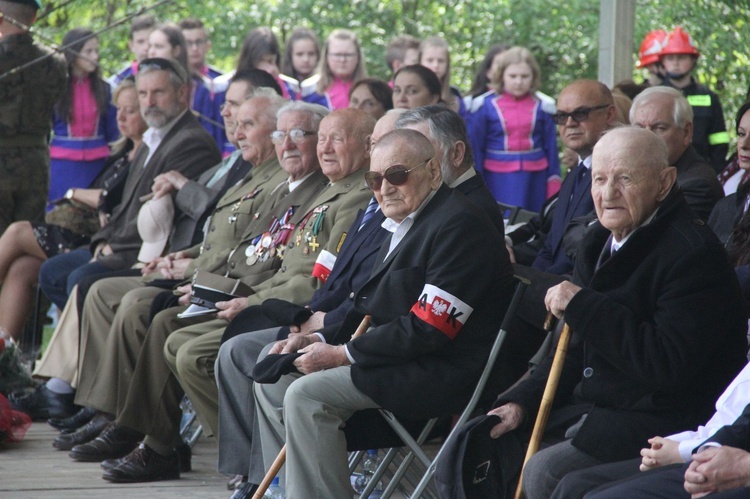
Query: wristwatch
{"type": "Point", "coordinates": [69, 193]}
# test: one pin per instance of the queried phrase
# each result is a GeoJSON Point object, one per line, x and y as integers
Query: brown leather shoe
{"type": "Point", "coordinates": [84, 434]}
{"type": "Point", "coordinates": [144, 465]}
{"type": "Point", "coordinates": [113, 442]}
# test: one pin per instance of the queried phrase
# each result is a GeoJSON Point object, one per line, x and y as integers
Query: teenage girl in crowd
{"type": "Point", "coordinates": [514, 140]}
{"type": "Point", "coordinates": [84, 121]}
{"type": "Point", "coordinates": [167, 41]}
{"type": "Point", "coordinates": [372, 96]}
{"type": "Point", "coordinates": [260, 50]}
{"type": "Point", "coordinates": [415, 86]}
{"type": "Point", "coordinates": [340, 66]}
{"type": "Point", "coordinates": [300, 57]}
{"type": "Point", "coordinates": [436, 56]}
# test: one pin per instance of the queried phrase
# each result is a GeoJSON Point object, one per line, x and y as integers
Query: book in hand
{"type": "Point", "coordinates": [208, 289]}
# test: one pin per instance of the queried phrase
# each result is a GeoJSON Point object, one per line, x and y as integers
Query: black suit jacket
{"type": "Point", "coordinates": [476, 191]}
{"type": "Point", "coordinates": [352, 268]}
{"type": "Point", "coordinates": [187, 148]}
{"type": "Point", "coordinates": [735, 435]}
{"type": "Point", "coordinates": [698, 182]}
{"type": "Point", "coordinates": [552, 257]}
{"type": "Point", "coordinates": [416, 360]}
{"type": "Point", "coordinates": [659, 332]}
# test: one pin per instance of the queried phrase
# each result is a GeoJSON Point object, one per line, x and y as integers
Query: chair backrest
{"type": "Point", "coordinates": [414, 445]}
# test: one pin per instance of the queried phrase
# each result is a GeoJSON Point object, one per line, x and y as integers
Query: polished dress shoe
{"type": "Point", "coordinates": [244, 490]}
{"type": "Point", "coordinates": [75, 421]}
{"type": "Point", "coordinates": [113, 442]}
{"type": "Point", "coordinates": [87, 433]}
{"type": "Point", "coordinates": [144, 465]}
{"type": "Point", "coordinates": [43, 403]}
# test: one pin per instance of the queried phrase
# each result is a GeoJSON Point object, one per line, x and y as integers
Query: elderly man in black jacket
{"type": "Point", "coordinates": [657, 317]}
{"type": "Point", "coordinates": [430, 331]}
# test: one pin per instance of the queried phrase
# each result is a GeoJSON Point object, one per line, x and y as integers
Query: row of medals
{"type": "Point", "coordinates": [265, 248]}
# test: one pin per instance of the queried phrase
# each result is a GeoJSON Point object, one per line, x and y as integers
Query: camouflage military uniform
{"type": "Point", "coordinates": [27, 98]}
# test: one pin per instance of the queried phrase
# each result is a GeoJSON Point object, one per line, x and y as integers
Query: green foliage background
{"type": "Point", "coordinates": [562, 35]}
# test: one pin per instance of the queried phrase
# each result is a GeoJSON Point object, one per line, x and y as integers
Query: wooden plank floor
{"type": "Point", "coordinates": [34, 469]}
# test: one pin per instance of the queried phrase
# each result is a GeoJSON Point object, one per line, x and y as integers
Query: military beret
{"type": "Point", "coordinates": [31, 3]}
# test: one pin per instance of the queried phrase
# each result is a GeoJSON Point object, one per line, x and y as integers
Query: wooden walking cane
{"type": "Point", "coordinates": [547, 398]}
{"type": "Point", "coordinates": [281, 458]}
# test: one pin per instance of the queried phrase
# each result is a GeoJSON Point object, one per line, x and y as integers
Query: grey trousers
{"type": "Point", "coordinates": [240, 451]}
{"type": "Point", "coordinates": [548, 466]}
{"type": "Point", "coordinates": [315, 408]}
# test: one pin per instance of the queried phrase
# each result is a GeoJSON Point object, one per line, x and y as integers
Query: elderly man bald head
{"type": "Point", "coordinates": [650, 290]}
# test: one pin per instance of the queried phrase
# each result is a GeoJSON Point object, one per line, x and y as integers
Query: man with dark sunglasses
{"type": "Point", "coordinates": [429, 332]}
{"type": "Point", "coordinates": [585, 109]}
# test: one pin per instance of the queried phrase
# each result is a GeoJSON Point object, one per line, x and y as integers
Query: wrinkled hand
{"type": "Point", "coordinates": [511, 417]}
{"type": "Point", "coordinates": [175, 269]}
{"type": "Point", "coordinates": [717, 469]}
{"type": "Point", "coordinates": [294, 343]}
{"type": "Point", "coordinates": [559, 296]}
{"type": "Point", "coordinates": [168, 182]}
{"type": "Point", "coordinates": [184, 292]}
{"type": "Point", "coordinates": [151, 266]}
{"type": "Point", "coordinates": [228, 310]}
{"type": "Point", "coordinates": [319, 356]}
{"type": "Point", "coordinates": [102, 249]}
{"type": "Point", "coordinates": [314, 323]}
{"type": "Point", "coordinates": [663, 451]}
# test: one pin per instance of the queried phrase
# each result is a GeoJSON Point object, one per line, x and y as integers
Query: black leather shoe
{"type": "Point", "coordinates": [86, 433]}
{"type": "Point", "coordinates": [144, 465]}
{"type": "Point", "coordinates": [43, 403]}
{"type": "Point", "coordinates": [113, 442]}
{"type": "Point", "coordinates": [244, 490]}
{"type": "Point", "coordinates": [185, 456]}
{"type": "Point", "coordinates": [75, 421]}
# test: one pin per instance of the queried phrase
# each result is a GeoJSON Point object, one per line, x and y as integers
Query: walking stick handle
{"type": "Point", "coordinates": [362, 328]}
{"type": "Point", "coordinates": [547, 398]}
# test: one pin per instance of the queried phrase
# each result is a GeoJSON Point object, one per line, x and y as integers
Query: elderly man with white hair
{"type": "Point", "coordinates": [667, 113]}
{"type": "Point", "coordinates": [656, 314]}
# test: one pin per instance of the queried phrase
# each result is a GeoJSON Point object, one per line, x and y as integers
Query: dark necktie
{"type": "Point", "coordinates": [372, 207]}
{"type": "Point", "coordinates": [580, 180]}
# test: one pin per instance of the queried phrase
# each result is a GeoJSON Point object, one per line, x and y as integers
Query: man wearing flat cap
{"type": "Point", "coordinates": [28, 93]}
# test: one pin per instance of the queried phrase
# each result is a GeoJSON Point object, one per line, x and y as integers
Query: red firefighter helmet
{"type": "Point", "coordinates": [651, 48]}
{"type": "Point", "coordinates": [679, 42]}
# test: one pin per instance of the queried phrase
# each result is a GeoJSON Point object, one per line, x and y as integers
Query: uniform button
{"type": "Point", "coordinates": [351, 295]}
{"type": "Point", "coordinates": [588, 372]}
{"type": "Point", "coordinates": [233, 265]}
{"type": "Point", "coordinates": [283, 268]}
{"type": "Point", "coordinates": [213, 228]}
{"type": "Point", "coordinates": [207, 247]}
{"type": "Point", "coordinates": [291, 245]}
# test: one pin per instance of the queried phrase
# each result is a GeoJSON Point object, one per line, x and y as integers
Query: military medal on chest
{"type": "Point", "coordinates": [236, 206]}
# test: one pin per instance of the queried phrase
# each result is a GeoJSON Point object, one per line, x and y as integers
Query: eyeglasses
{"type": "Point", "coordinates": [297, 135]}
{"type": "Point", "coordinates": [342, 55]}
{"type": "Point", "coordinates": [578, 115]}
{"type": "Point", "coordinates": [196, 43]}
{"type": "Point", "coordinates": [395, 175]}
